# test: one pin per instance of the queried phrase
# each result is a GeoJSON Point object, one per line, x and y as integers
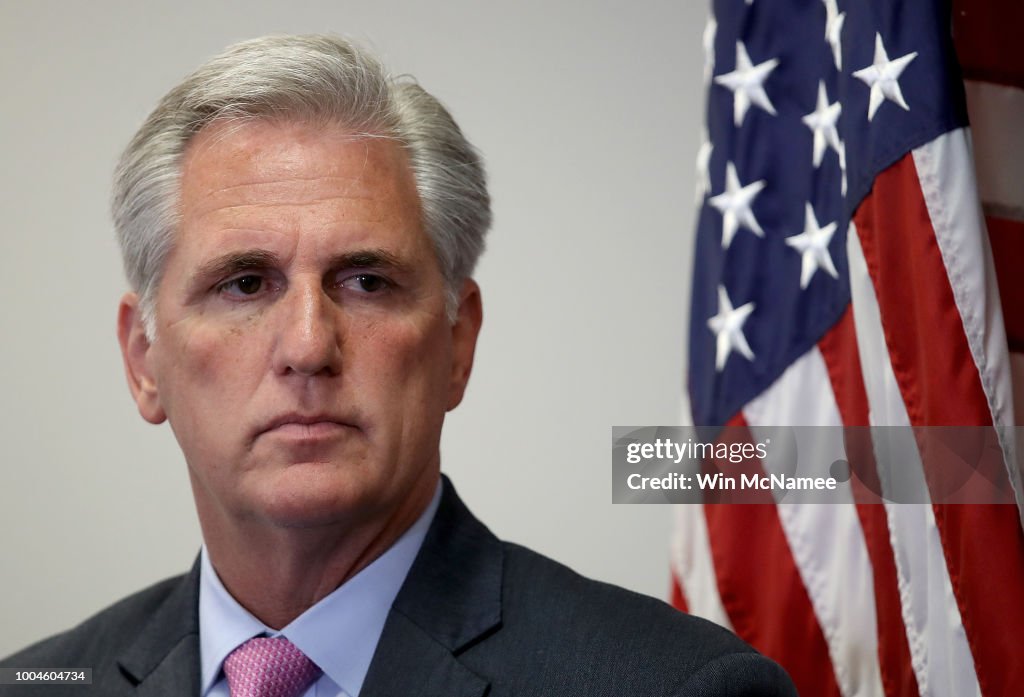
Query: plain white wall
{"type": "Point", "coordinates": [587, 112]}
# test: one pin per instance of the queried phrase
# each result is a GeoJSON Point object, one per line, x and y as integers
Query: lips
{"type": "Point", "coordinates": [304, 426]}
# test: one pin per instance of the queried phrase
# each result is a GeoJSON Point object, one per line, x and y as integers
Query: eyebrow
{"type": "Point", "coordinates": [368, 259]}
{"type": "Point", "coordinates": [235, 262]}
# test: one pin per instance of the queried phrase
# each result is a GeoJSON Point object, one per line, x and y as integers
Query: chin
{"type": "Point", "coordinates": [313, 495]}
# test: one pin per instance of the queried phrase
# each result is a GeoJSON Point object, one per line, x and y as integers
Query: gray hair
{"type": "Point", "coordinates": [322, 79]}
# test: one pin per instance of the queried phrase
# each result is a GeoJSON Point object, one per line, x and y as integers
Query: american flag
{"type": "Point", "coordinates": [845, 276]}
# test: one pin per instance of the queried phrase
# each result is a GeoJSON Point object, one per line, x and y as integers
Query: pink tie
{"type": "Point", "coordinates": [264, 667]}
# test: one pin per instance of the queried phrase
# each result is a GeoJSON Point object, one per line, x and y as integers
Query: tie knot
{"type": "Point", "coordinates": [264, 667]}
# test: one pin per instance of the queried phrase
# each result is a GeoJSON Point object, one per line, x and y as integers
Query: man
{"type": "Point", "coordinates": [299, 232]}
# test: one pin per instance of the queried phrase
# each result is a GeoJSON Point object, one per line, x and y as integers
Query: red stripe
{"type": "Point", "coordinates": [839, 349]}
{"type": "Point", "coordinates": [1007, 238]}
{"type": "Point", "coordinates": [987, 38]}
{"type": "Point", "coordinates": [939, 382]}
{"type": "Point", "coordinates": [763, 594]}
{"type": "Point", "coordinates": [919, 314]}
{"type": "Point", "coordinates": [678, 600]}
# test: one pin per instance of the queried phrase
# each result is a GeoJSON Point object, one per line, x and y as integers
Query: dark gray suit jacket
{"type": "Point", "coordinates": [476, 616]}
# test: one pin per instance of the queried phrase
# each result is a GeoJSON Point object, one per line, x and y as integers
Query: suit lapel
{"type": "Point", "coordinates": [450, 599]}
{"type": "Point", "coordinates": [164, 660]}
{"type": "Point", "coordinates": [409, 661]}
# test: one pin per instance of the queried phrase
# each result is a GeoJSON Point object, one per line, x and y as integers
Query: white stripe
{"type": "Point", "coordinates": [690, 556]}
{"type": "Point", "coordinates": [948, 185]}
{"type": "Point", "coordinates": [826, 540]}
{"type": "Point", "coordinates": [997, 112]}
{"type": "Point", "coordinates": [694, 566]}
{"type": "Point", "coordinates": [939, 653]}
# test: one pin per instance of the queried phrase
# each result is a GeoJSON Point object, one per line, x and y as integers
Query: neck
{"type": "Point", "coordinates": [277, 573]}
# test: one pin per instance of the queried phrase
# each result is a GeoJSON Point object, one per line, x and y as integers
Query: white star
{"type": "Point", "coordinates": [747, 83]}
{"type": "Point", "coordinates": [734, 204]}
{"type": "Point", "coordinates": [812, 244]}
{"type": "Point", "coordinates": [833, 28]}
{"type": "Point", "coordinates": [710, 29]}
{"type": "Point", "coordinates": [842, 163]}
{"type": "Point", "coordinates": [823, 122]}
{"type": "Point", "coordinates": [703, 160]}
{"type": "Point", "coordinates": [728, 328]}
{"type": "Point", "coordinates": [882, 77]}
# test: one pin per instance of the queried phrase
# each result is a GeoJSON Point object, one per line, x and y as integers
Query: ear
{"type": "Point", "coordinates": [135, 350]}
{"type": "Point", "coordinates": [464, 333]}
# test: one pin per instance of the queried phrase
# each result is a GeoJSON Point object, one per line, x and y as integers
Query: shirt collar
{"type": "Point", "coordinates": [339, 633]}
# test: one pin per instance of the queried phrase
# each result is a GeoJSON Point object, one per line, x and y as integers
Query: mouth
{"type": "Point", "coordinates": [305, 427]}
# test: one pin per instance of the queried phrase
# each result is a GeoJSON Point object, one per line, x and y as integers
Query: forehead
{"type": "Point", "coordinates": [237, 168]}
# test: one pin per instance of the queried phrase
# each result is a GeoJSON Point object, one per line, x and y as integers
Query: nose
{"type": "Point", "coordinates": [309, 340]}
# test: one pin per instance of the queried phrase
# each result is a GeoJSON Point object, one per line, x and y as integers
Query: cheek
{"type": "Point", "coordinates": [205, 370]}
{"type": "Point", "coordinates": [411, 360]}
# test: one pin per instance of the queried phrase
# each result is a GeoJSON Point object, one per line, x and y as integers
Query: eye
{"type": "Point", "coordinates": [249, 284]}
{"type": "Point", "coordinates": [365, 283]}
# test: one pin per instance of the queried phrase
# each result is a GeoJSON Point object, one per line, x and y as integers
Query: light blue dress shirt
{"type": "Point", "coordinates": [339, 633]}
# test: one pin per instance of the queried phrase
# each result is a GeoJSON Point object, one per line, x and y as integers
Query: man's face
{"type": "Point", "coordinates": [302, 352]}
